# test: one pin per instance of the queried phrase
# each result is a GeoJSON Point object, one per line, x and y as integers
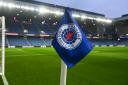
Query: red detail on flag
{"type": "Point", "coordinates": [69, 36]}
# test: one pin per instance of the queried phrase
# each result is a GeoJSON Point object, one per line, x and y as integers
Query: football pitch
{"type": "Point", "coordinates": [41, 66]}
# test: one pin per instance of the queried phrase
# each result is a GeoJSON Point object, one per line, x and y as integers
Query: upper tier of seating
{"type": "Point", "coordinates": [24, 27]}
{"type": "Point", "coordinates": [14, 27]}
{"type": "Point", "coordinates": [31, 28]}
{"type": "Point", "coordinates": [47, 27]}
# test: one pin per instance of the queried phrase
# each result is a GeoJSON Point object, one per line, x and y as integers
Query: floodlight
{"type": "Point", "coordinates": [100, 19]}
{"type": "Point", "coordinates": [91, 18]}
{"type": "Point", "coordinates": [1, 3]}
{"type": "Point", "coordinates": [83, 17]}
{"type": "Point", "coordinates": [57, 12]}
{"type": "Point", "coordinates": [17, 6]}
{"type": "Point", "coordinates": [43, 10]}
{"type": "Point", "coordinates": [76, 15]}
{"type": "Point", "coordinates": [109, 21]}
{"type": "Point", "coordinates": [11, 5]}
{"type": "Point", "coordinates": [28, 8]}
{"type": "Point", "coordinates": [4, 4]}
{"type": "Point", "coordinates": [104, 20]}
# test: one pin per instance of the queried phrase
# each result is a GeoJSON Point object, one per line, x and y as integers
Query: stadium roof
{"type": "Point", "coordinates": [43, 3]}
{"type": "Point", "coordinates": [44, 8]}
{"type": "Point", "coordinates": [123, 18]}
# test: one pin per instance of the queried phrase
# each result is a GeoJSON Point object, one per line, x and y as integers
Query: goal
{"type": "Point", "coordinates": [2, 50]}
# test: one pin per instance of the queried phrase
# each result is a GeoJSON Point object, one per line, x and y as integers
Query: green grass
{"type": "Point", "coordinates": [1, 83]}
{"type": "Point", "coordinates": [41, 66]}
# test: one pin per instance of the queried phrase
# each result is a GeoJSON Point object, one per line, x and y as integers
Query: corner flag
{"type": "Point", "coordinates": [70, 42]}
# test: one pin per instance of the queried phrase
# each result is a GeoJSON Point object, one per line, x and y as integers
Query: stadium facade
{"type": "Point", "coordinates": [33, 23]}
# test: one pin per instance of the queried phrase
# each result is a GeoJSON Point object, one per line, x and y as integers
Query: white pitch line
{"type": "Point", "coordinates": [4, 80]}
{"type": "Point", "coordinates": [28, 55]}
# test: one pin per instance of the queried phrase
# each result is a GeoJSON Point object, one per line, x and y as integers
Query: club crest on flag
{"type": "Point", "coordinates": [69, 36]}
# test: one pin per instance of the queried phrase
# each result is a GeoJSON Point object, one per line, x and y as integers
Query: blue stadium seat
{"type": "Point", "coordinates": [14, 27]}
{"type": "Point", "coordinates": [31, 28]}
{"type": "Point", "coordinates": [35, 41]}
{"type": "Point", "coordinates": [17, 41]}
{"type": "Point", "coordinates": [48, 28]}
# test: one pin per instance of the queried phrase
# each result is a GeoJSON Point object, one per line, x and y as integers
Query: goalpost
{"type": "Point", "coordinates": [2, 50]}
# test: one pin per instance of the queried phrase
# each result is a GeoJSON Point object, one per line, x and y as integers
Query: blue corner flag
{"type": "Point", "coordinates": [70, 42]}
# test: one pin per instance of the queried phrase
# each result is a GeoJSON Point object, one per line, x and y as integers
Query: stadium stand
{"type": "Point", "coordinates": [123, 42]}
{"type": "Point", "coordinates": [27, 27]}
{"type": "Point", "coordinates": [36, 41]}
{"type": "Point", "coordinates": [47, 41]}
{"type": "Point", "coordinates": [48, 28]}
{"type": "Point", "coordinates": [17, 41]}
{"type": "Point", "coordinates": [104, 42]}
{"type": "Point", "coordinates": [30, 28]}
{"type": "Point", "coordinates": [14, 27]}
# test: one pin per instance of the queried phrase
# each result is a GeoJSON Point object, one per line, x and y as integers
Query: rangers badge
{"type": "Point", "coordinates": [69, 36]}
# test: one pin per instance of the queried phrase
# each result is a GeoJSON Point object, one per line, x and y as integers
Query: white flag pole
{"type": "Point", "coordinates": [63, 75]}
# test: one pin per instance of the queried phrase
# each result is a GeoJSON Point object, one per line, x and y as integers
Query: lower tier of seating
{"type": "Point", "coordinates": [37, 41]}
{"type": "Point", "coordinates": [27, 41]}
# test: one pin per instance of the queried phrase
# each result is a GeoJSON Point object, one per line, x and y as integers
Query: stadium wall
{"type": "Point", "coordinates": [51, 46]}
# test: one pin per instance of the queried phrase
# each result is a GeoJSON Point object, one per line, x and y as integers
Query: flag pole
{"type": "Point", "coordinates": [63, 75]}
